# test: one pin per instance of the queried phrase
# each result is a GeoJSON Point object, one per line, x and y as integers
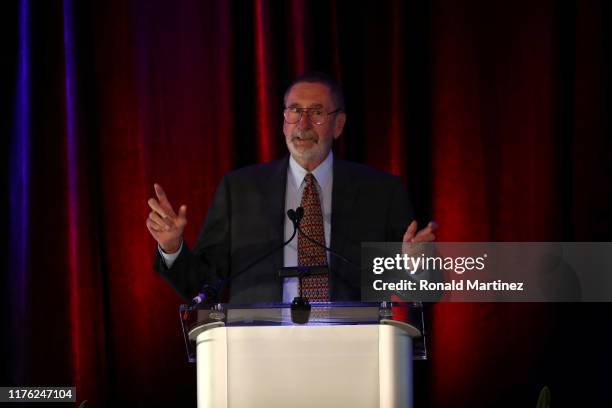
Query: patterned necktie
{"type": "Point", "coordinates": [315, 288]}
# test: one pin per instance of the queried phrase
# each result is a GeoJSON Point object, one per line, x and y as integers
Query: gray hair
{"type": "Point", "coordinates": [320, 78]}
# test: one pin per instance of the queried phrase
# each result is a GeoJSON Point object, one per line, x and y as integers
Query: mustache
{"type": "Point", "coordinates": [305, 135]}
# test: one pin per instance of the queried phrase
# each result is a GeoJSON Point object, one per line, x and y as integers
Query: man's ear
{"type": "Point", "coordinates": [339, 124]}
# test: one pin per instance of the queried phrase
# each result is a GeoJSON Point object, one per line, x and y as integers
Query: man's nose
{"type": "Point", "coordinates": [304, 122]}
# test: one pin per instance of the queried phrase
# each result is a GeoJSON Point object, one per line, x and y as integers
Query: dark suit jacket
{"type": "Point", "coordinates": [246, 219]}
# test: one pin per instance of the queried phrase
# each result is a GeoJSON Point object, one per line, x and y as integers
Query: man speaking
{"type": "Point", "coordinates": [344, 205]}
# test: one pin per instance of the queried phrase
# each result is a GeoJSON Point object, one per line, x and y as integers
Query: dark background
{"type": "Point", "coordinates": [496, 115]}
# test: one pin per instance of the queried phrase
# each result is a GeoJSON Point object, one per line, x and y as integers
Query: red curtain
{"type": "Point", "coordinates": [495, 115]}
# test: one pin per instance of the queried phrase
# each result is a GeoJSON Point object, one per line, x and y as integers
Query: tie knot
{"type": "Point", "coordinates": [310, 179]}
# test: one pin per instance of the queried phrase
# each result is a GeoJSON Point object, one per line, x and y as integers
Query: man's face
{"type": "Point", "coordinates": [309, 143]}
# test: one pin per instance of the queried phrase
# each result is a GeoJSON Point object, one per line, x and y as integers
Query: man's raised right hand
{"type": "Point", "coordinates": [164, 224]}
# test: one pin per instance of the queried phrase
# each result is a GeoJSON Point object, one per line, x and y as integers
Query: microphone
{"type": "Point", "coordinates": [295, 216]}
{"type": "Point", "coordinates": [210, 293]}
{"type": "Point", "coordinates": [297, 271]}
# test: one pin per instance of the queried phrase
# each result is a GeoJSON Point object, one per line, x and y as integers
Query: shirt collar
{"type": "Point", "coordinates": [323, 172]}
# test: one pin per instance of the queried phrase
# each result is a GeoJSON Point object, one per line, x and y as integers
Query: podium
{"type": "Point", "coordinates": [346, 355]}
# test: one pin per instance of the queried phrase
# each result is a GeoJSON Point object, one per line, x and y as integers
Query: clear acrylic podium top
{"type": "Point", "coordinates": [408, 316]}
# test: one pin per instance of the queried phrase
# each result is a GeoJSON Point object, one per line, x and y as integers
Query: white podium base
{"type": "Point", "coordinates": [304, 366]}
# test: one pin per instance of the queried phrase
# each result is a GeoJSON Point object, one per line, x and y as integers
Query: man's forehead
{"type": "Point", "coordinates": [309, 94]}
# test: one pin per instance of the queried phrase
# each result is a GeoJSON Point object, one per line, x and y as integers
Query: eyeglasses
{"type": "Point", "coordinates": [316, 116]}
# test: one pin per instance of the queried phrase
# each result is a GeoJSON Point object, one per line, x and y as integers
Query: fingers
{"type": "Point", "coordinates": [161, 195]}
{"type": "Point", "coordinates": [183, 212]}
{"type": "Point", "coordinates": [153, 226]}
{"type": "Point", "coordinates": [162, 224]}
{"type": "Point", "coordinates": [162, 217]}
{"type": "Point", "coordinates": [181, 219]}
{"type": "Point", "coordinates": [410, 231]}
{"type": "Point", "coordinates": [427, 233]}
{"type": "Point", "coordinates": [424, 235]}
{"type": "Point", "coordinates": [161, 205]}
{"type": "Point", "coordinates": [157, 207]}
